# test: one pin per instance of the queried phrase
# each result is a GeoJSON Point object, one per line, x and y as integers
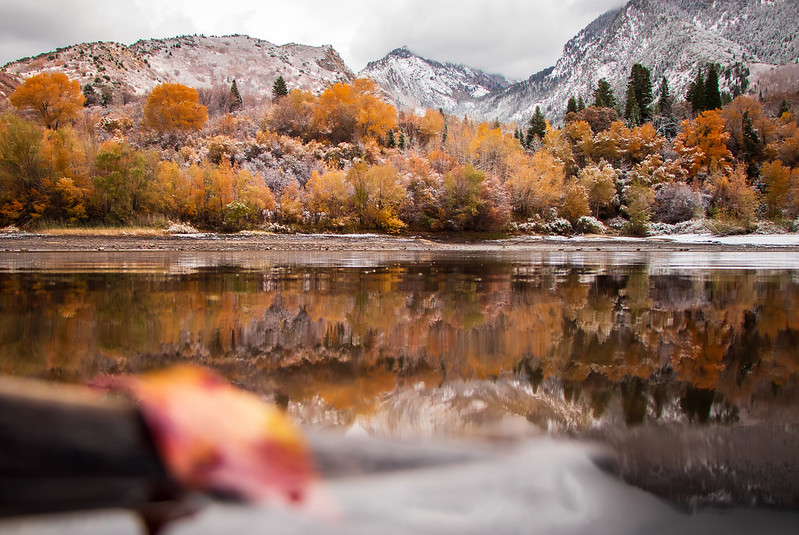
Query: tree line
{"type": "Point", "coordinates": [346, 160]}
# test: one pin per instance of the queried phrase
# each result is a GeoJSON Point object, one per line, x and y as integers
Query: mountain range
{"type": "Point", "coordinates": [754, 42]}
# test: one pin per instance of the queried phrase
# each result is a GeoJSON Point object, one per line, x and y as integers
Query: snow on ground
{"type": "Point", "coordinates": [771, 240]}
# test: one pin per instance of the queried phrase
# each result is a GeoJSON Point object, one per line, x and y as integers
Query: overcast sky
{"type": "Point", "coordinates": [512, 37]}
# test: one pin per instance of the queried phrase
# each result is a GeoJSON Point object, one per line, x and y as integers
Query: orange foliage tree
{"type": "Point", "coordinates": [702, 144]}
{"type": "Point", "coordinates": [174, 108]}
{"type": "Point", "coordinates": [349, 112]}
{"type": "Point", "coordinates": [51, 97]}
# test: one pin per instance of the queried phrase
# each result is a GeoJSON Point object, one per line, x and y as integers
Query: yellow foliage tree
{"type": "Point", "coordinates": [702, 144]}
{"type": "Point", "coordinates": [431, 126]}
{"type": "Point", "coordinates": [52, 97]}
{"type": "Point", "coordinates": [490, 150]}
{"type": "Point", "coordinates": [174, 108]}
{"type": "Point", "coordinates": [328, 193]}
{"type": "Point", "coordinates": [536, 183]}
{"type": "Point", "coordinates": [599, 182]}
{"type": "Point", "coordinates": [575, 202]}
{"type": "Point", "coordinates": [777, 179]}
{"type": "Point", "coordinates": [733, 198]}
{"type": "Point", "coordinates": [377, 195]}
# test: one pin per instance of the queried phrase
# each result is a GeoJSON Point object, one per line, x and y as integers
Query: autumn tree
{"type": "Point", "coordinates": [732, 197]}
{"type": "Point", "coordinates": [328, 197]}
{"type": "Point", "coordinates": [377, 195]}
{"type": "Point", "coordinates": [599, 182]}
{"type": "Point", "coordinates": [702, 144]}
{"type": "Point", "coordinates": [777, 179]}
{"type": "Point", "coordinates": [123, 175]}
{"type": "Point", "coordinates": [490, 150]}
{"type": "Point", "coordinates": [431, 126]}
{"type": "Point", "coordinates": [536, 184]}
{"type": "Point", "coordinates": [574, 204]}
{"type": "Point", "coordinates": [292, 116]}
{"type": "Point", "coordinates": [638, 201]}
{"type": "Point", "coordinates": [462, 197]}
{"type": "Point", "coordinates": [51, 97]}
{"type": "Point", "coordinates": [346, 112]}
{"type": "Point", "coordinates": [67, 182]}
{"type": "Point", "coordinates": [21, 169]}
{"type": "Point", "coordinates": [173, 108]}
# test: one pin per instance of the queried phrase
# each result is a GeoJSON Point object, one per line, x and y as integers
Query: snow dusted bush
{"type": "Point", "coordinates": [589, 225]}
{"type": "Point", "coordinates": [181, 228]}
{"type": "Point", "coordinates": [560, 227]}
{"type": "Point", "coordinates": [675, 203]}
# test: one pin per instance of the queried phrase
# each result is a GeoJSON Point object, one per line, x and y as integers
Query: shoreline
{"type": "Point", "coordinates": [54, 243]}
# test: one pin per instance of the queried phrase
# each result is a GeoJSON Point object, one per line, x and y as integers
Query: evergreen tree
{"type": "Point", "coordinates": [664, 100]}
{"type": "Point", "coordinates": [444, 133]}
{"type": "Point", "coordinates": [538, 126]}
{"type": "Point", "coordinates": [236, 103]}
{"type": "Point", "coordinates": [571, 107]}
{"type": "Point", "coordinates": [712, 94]}
{"type": "Point", "coordinates": [580, 104]}
{"type": "Point", "coordinates": [784, 108]}
{"type": "Point", "coordinates": [391, 140]}
{"type": "Point", "coordinates": [640, 82]}
{"type": "Point", "coordinates": [90, 95]}
{"type": "Point", "coordinates": [603, 95]}
{"type": "Point", "coordinates": [401, 142]}
{"type": "Point", "coordinates": [279, 89]}
{"type": "Point", "coordinates": [696, 94]}
{"type": "Point", "coordinates": [751, 141]}
{"type": "Point", "coordinates": [631, 110]}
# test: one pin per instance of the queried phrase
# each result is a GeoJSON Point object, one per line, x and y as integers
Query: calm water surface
{"type": "Point", "coordinates": [428, 343]}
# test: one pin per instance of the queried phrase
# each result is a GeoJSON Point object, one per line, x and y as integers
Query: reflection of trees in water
{"type": "Point", "coordinates": [644, 343]}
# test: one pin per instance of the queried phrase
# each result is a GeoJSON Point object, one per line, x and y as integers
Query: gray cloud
{"type": "Point", "coordinates": [512, 37]}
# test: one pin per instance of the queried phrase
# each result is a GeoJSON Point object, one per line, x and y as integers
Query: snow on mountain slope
{"type": "Point", "coordinates": [670, 37]}
{"type": "Point", "coordinates": [255, 64]}
{"type": "Point", "coordinates": [413, 82]}
{"type": "Point", "coordinates": [196, 61]}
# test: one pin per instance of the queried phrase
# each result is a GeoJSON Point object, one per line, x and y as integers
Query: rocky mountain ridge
{"type": "Point", "coordinates": [670, 37]}
{"type": "Point", "coordinates": [196, 61]}
{"type": "Point", "coordinates": [753, 41]}
{"type": "Point", "coordinates": [413, 82]}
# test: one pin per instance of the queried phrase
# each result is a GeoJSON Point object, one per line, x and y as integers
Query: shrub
{"type": "Point", "coordinates": [589, 225]}
{"type": "Point", "coordinates": [675, 203]}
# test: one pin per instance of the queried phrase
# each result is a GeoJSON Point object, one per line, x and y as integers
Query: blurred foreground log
{"type": "Point", "coordinates": [64, 448]}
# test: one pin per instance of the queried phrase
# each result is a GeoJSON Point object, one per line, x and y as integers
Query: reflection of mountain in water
{"type": "Point", "coordinates": [618, 345]}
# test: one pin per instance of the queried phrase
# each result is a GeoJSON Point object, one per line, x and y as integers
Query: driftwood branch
{"type": "Point", "coordinates": [66, 448]}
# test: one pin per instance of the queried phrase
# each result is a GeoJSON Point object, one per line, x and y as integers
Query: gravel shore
{"type": "Point", "coordinates": [23, 242]}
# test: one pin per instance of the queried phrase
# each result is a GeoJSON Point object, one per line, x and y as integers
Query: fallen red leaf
{"type": "Point", "coordinates": [213, 437]}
